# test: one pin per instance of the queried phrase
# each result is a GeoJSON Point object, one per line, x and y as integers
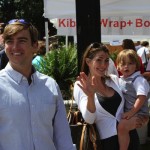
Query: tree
{"type": "Point", "coordinates": [27, 9]}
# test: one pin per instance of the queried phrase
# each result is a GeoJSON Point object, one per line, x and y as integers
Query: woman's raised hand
{"type": "Point", "coordinates": [86, 84]}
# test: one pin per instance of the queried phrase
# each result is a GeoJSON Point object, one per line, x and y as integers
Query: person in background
{"type": "Point", "coordinates": [112, 68]}
{"type": "Point", "coordinates": [99, 97]}
{"type": "Point", "coordinates": [135, 89]}
{"type": "Point", "coordinates": [129, 44]}
{"type": "Point", "coordinates": [138, 46]}
{"type": "Point", "coordinates": [32, 111]}
{"type": "Point", "coordinates": [2, 25]}
{"type": "Point", "coordinates": [3, 57]}
{"type": "Point", "coordinates": [37, 60]}
{"type": "Point", "coordinates": [144, 53]}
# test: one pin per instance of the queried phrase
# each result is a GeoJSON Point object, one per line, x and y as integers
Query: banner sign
{"type": "Point", "coordinates": [131, 25]}
{"type": "Point", "coordinates": [120, 19]}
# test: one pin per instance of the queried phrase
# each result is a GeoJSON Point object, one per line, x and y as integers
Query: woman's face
{"type": "Point", "coordinates": [99, 64]}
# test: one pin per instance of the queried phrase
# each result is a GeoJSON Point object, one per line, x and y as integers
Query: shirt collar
{"type": "Point", "coordinates": [16, 76]}
{"type": "Point", "coordinates": [133, 75]}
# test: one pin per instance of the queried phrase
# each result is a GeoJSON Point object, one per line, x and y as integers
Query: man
{"type": "Point", "coordinates": [144, 53]}
{"type": "Point", "coordinates": [32, 112]}
{"type": "Point", "coordinates": [138, 46]}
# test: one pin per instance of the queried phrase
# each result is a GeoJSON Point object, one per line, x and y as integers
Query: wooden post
{"type": "Point", "coordinates": [88, 25]}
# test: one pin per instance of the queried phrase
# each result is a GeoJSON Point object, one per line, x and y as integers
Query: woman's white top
{"type": "Point", "coordinates": [106, 123]}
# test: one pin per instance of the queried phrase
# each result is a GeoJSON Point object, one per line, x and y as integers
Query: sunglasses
{"type": "Point", "coordinates": [96, 45]}
{"type": "Point", "coordinates": [22, 21]}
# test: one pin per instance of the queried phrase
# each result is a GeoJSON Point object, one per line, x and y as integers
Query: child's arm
{"type": "Point", "coordinates": [138, 104]}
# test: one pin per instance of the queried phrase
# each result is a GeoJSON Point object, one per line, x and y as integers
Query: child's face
{"type": "Point", "coordinates": [127, 67]}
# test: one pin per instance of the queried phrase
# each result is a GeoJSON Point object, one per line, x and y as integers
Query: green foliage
{"type": "Point", "coordinates": [26, 9]}
{"type": "Point", "coordinates": [113, 55]}
{"type": "Point", "coordinates": [61, 64]}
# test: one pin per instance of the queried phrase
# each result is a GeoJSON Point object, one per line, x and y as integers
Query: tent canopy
{"type": "Point", "coordinates": [66, 8]}
{"type": "Point", "coordinates": [115, 17]}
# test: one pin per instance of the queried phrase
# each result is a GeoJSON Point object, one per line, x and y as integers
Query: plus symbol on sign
{"type": "Point", "coordinates": [129, 22]}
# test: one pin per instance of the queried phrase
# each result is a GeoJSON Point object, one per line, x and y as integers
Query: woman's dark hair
{"type": "Point", "coordinates": [128, 44]}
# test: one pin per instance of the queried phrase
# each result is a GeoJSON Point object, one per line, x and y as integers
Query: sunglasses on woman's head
{"type": "Point", "coordinates": [96, 45]}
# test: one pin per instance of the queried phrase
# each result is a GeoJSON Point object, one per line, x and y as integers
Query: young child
{"type": "Point", "coordinates": [135, 89]}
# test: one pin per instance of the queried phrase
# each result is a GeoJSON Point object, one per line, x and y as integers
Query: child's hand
{"type": "Point", "coordinates": [127, 115]}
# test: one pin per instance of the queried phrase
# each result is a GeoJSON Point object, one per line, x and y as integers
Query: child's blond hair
{"type": "Point", "coordinates": [130, 54]}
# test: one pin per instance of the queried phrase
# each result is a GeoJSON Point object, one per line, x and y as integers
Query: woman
{"type": "Point", "coordinates": [99, 98]}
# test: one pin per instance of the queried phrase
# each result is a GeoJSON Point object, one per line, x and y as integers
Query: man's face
{"type": "Point", "coordinates": [19, 49]}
